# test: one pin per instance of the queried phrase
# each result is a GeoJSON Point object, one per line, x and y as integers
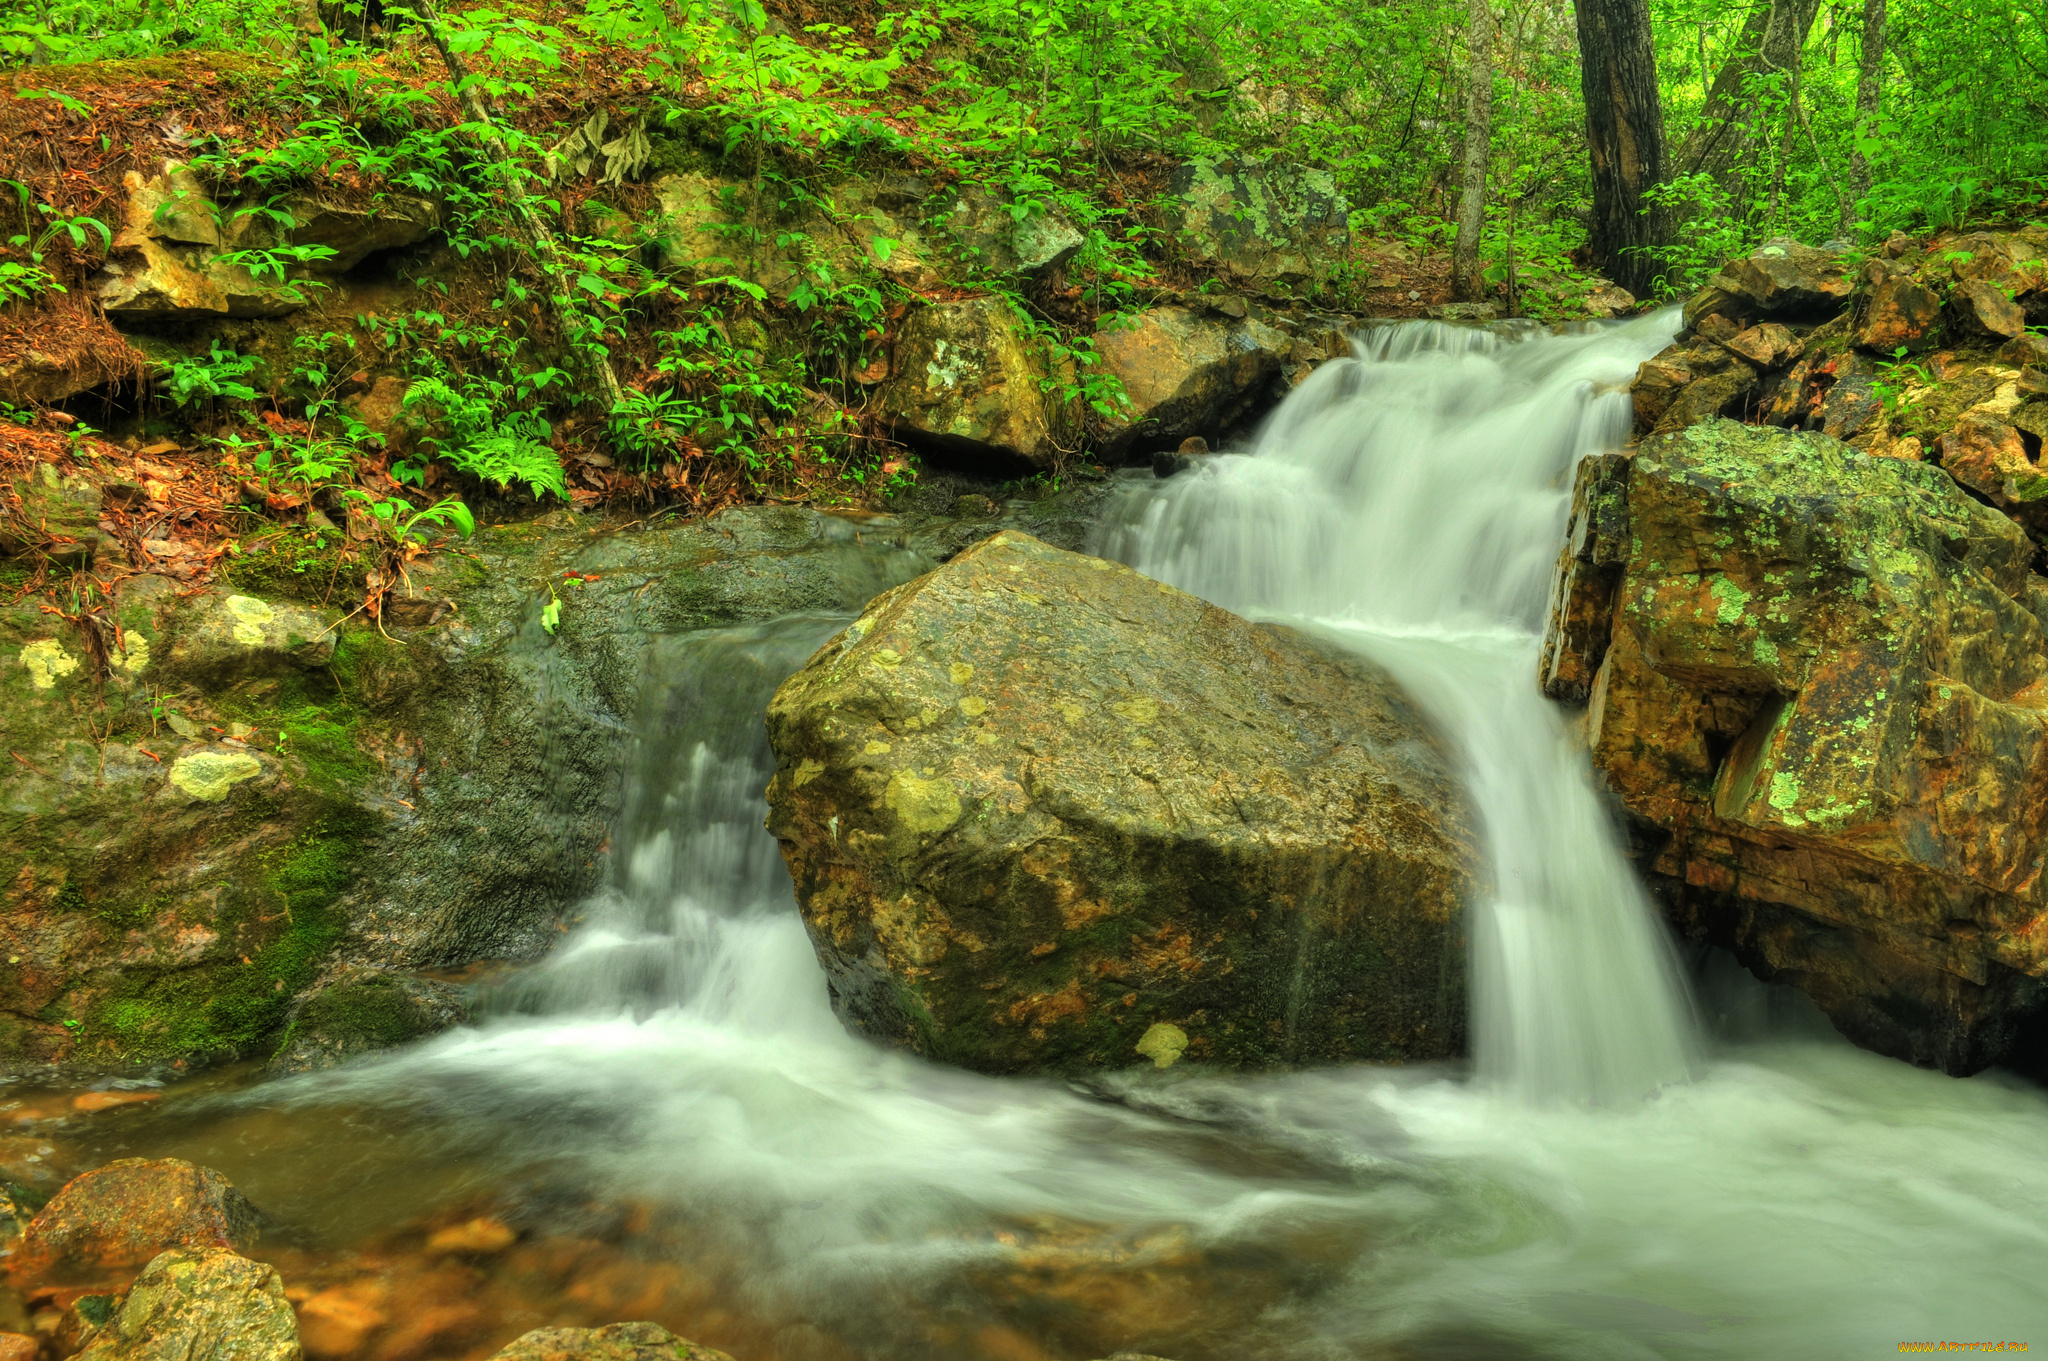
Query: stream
{"type": "Point", "coordinates": [1650, 1155]}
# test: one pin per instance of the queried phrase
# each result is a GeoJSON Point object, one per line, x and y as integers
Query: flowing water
{"type": "Point", "coordinates": [1602, 1183]}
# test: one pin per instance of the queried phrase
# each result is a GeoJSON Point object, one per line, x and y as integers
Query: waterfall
{"type": "Point", "coordinates": [1409, 501]}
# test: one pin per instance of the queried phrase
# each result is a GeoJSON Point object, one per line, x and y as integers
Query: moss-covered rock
{"type": "Point", "coordinates": [1045, 813]}
{"type": "Point", "coordinates": [189, 1304]}
{"type": "Point", "coordinates": [1271, 224]}
{"type": "Point", "coordinates": [970, 387]}
{"type": "Point", "coordinates": [1825, 691]}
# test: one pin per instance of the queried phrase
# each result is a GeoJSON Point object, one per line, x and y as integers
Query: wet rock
{"type": "Point", "coordinates": [1186, 373]}
{"type": "Point", "coordinates": [483, 1237]}
{"type": "Point", "coordinates": [969, 388]}
{"type": "Point", "coordinates": [1582, 589]}
{"type": "Point", "coordinates": [193, 1304]}
{"type": "Point", "coordinates": [1894, 311]}
{"type": "Point", "coordinates": [226, 637]}
{"type": "Point", "coordinates": [19, 1347]}
{"type": "Point", "coordinates": [1609, 300]}
{"type": "Point", "coordinates": [365, 1011]}
{"type": "Point", "coordinates": [1823, 690]}
{"type": "Point", "coordinates": [106, 1224]}
{"type": "Point", "coordinates": [1268, 222]}
{"type": "Point", "coordinates": [1464, 311]}
{"type": "Point", "coordinates": [1983, 309]}
{"type": "Point", "coordinates": [80, 1322]}
{"type": "Point", "coordinates": [1036, 804]}
{"type": "Point", "coordinates": [615, 1342]}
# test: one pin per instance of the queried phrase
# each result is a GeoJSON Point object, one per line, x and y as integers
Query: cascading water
{"type": "Point", "coordinates": [1796, 1198]}
{"type": "Point", "coordinates": [1410, 501]}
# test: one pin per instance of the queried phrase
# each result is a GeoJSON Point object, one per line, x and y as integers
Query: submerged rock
{"type": "Point", "coordinates": [1824, 695]}
{"type": "Point", "coordinates": [615, 1342]}
{"type": "Point", "coordinates": [196, 1305]}
{"type": "Point", "coordinates": [106, 1224]}
{"type": "Point", "coordinates": [1038, 806]}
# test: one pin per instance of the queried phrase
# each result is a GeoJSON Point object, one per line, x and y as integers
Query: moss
{"type": "Point", "coordinates": [227, 1008]}
{"type": "Point", "coordinates": [374, 1013]}
{"type": "Point", "coordinates": [293, 564]}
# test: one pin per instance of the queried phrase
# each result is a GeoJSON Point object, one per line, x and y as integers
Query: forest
{"type": "Point", "coordinates": [1462, 140]}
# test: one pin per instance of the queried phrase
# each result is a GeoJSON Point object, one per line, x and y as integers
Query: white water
{"type": "Point", "coordinates": [1411, 502]}
{"type": "Point", "coordinates": [1795, 1198]}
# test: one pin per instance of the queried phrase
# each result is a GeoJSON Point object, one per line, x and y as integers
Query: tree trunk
{"type": "Point", "coordinates": [1466, 283]}
{"type": "Point", "coordinates": [1625, 136]}
{"type": "Point", "coordinates": [1869, 94]}
{"type": "Point", "coordinates": [1726, 134]}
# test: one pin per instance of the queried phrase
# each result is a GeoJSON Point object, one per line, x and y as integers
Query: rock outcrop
{"type": "Point", "coordinates": [1921, 354]}
{"type": "Point", "coordinates": [1044, 813]}
{"type": "Point", "coordinates": [1816, 679]}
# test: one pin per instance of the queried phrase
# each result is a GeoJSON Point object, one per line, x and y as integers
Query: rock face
{"type": "Point", "coordinates": [1823, 698]}
{"type": "Point", "coordinates": [1044, 813]}
{"type": "Point", "coordinates": [107, 1224]}
{"type": "Point", "coordinates": [969, 388]}
{"type": "Point", "coordinates": [190, 1305]}
{"type": "Point", "coordinates": [617, 1342]}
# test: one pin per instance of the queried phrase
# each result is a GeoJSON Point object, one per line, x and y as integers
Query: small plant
{"type": "Point", "coordinates": [217, 374]}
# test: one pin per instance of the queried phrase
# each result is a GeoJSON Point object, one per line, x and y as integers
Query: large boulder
{"type": "Point", "coordinates": [195, 1306]}
{"type": "Point", "coordinates": [970, 387]}
{"type": "Point", "coordinates": [105, 1225]}
{"type": "Point", "coordinates": [614, 1342]}
{"type": "Point", "coordinates": [1820, 691]}
{"type": "Point", "coordinates": [1044, 813]}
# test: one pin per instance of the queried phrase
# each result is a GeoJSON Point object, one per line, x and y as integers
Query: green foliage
{"type": "Point", "coordinates": [209, 378]}
{"type": "Point", "coordinates": [485, 441]}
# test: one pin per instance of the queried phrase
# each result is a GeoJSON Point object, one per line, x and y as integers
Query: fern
{"type": "Point", "coordinates": [487, 447]}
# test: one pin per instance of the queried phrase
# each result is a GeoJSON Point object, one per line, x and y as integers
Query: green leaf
{"type": "Point", "coordinates": [551, 614]}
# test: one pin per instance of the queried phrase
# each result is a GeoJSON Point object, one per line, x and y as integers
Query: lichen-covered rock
{"type": "Point", "coordinates": [1191, 372]}
{"type": "Point", "coordinates": [200, 1306]}
{"type": "Point", "coordinates": [1984, 310]}
{"type": "Point", "coordinates": [105, 1225]}
{"type": "Point", "coordinates": [1824, 692]}
{"type": "Point", "coordinates": [988, 239]}
{"type": "Point", "coordinates": [1268, 222]}
{"type": "Point", "coordinates": [1045, 813]}
{"type": "Point", "coordinates": [614, 1342]}
{"type": "Point", "coordinates": [970, 387]}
